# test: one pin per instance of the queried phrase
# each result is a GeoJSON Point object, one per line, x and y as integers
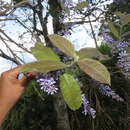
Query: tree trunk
{"type": "Point", "coordinates": [59, 104]}
{"type": "Point", "coordinates": [62, 114]}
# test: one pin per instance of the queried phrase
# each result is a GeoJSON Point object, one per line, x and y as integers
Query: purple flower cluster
{"type": "Point", "coordinates": [124, 61]}
{"type": "Point", "coordinates": [47, 83]}
{"type": "Point", "coordinates": [120, 49]}
{"type": "Point", "coordinates": [107, 91]}
{"type": "Point", "coordinates": [123, 44]}
{"type": "Point", "coordinates": [108, 39]}
{"type": "Point", "coordinates": [87, 108]}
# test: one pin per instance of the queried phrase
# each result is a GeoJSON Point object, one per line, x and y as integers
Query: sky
{"type": "Point", "coordinates": [79, 38]}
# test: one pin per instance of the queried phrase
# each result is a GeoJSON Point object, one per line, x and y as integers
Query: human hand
{"type": "Point", "coordinates": [11, 89]}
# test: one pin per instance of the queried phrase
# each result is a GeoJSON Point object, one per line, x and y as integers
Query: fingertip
{"type": "Point", "coordinates": [31, 75]}
{"type": "Point", "coordinates": [20, 76]}
{"type": "Point", "coordinates": [23, 80]}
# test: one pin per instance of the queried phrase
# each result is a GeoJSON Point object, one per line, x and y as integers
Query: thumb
{"type": "Point", "coordinates": [25, 78]}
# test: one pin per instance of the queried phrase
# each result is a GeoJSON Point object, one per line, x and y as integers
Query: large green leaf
{"type": "Point", "coordinates": [63, 44]}
{"type": "Point", "coordinates": [44, 53]}
{"type": "Point", "coordinates": [43, 66]}
{"type": "Point", "coordinates": [82, 5]}
{"type": "Point", "coordinates": [88, 53]}
{"type": "Point", "coordinates": [114, 30]}
{"type": "Point", "coordinates": [71, 91]}
{"type": "Point", "coordinates": [96, 70]}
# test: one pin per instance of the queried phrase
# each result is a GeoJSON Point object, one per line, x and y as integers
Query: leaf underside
{"type": "Point", "coordinates": [96, 70]}
{"type": "Point", "coordinates": [63, 44]}
{"type": "Point", "coordinates": [43, 66]}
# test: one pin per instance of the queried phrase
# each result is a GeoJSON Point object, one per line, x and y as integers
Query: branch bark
{"type": "Point", "coordinates": [62, 113]}
{"type": "Point", "coordinates": [93, 34]}
{"type": "Point", "coordinates": [3, 55]}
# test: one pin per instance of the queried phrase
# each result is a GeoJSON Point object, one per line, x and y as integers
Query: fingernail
{"type": "Point", "coordinates": [20, 76]}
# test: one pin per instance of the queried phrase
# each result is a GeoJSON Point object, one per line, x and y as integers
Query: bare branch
{"type": "Point", "coordinates": [9, 7]}
{"type": "Point", "coordinates": [11, 40]}
{"type": "Point", "coordinates": [3, 55]}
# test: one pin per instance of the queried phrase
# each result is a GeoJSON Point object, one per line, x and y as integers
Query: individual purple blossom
{"type": "Point", "coordinates": [88, 110]}
{"type": "Point", "coordinates": [124, 61]}
{"type": "Point", "coordinates": [123, 54]}
{"type": "Point", "coordinates": [107, 91]}
{"type": "Point", "coordinates": [47, 83]}
{"type": "Point", "coordinates": [123, 44]}
{"type": "Point", "coordinates": [108, 39]}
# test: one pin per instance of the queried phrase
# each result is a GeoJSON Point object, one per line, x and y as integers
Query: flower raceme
{"type": "Point", "coordinates": [106, 90]}
{"type": "Point", "coordinates": [120, 49]}
{"type": "Point", "coordinates": [87, 108]}
{"type": "Point", "coordinates": [47, 83]}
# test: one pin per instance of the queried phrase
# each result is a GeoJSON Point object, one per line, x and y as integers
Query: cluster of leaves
{"type": "Point", "coordinates": [119, 28]}
{"type": "Point", "coordinates": [49, 61]}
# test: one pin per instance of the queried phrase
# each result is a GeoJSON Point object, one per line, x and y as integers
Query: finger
{"type": "Point", "coordinates": [31, 75]}
{"type": "Point", "coordinates": [15, 71]}
{"type": "Point", "coordinates": [24, 81]}
{"type": "Point", "coordinates": [20, 76]}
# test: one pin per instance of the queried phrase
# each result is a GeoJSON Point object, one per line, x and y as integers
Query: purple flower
{"type": "Point", "coordinates": [47, 83]}
{"type": "Point", "coordinates": [123, 44]}
{"type": "Point", "coordinates": [107, 91]}
{"type": "Point", "coordinates": [120, 49]}
{"type": "Point", "coordinates": [87, 108]}
{"type": "Point", "coordinates": [108, 39]}
{"type": "Point", "coordinates": [124, 61]}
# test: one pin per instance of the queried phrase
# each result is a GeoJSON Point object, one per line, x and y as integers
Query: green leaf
{"type": "Point", "coordinates": [44, 53]}
{"type": "Point", "coordinates": [103, 58]}
{"type": "Point", "coordinates": [96, 70]}
{"type": "Point", "coordinates": [43, 66]}
{"type": "Point", "coordinates": [63, 44]}
{"type": "Point", "coordinates": [82, 5]}
{"type": "Point", "coordinates": [88, 53]}
{"type": "Point", "coordinates": [62, 5]}
{"type": "Point", "coordinates": [71, 91]}
{"type": "Point", "coordinates": [120, 14]}
{"type": "Point", "coordinates": [126, 19]}
{"type": "Point", "coordinates": [114, 30]}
